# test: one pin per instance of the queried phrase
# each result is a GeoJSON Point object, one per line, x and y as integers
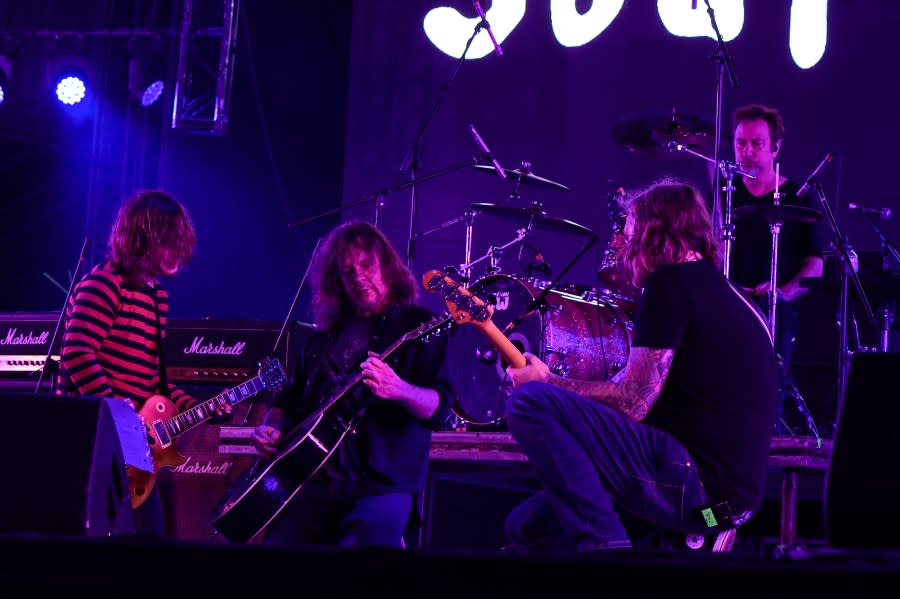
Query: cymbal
{"type": "Point", "coordinates": [782, 213]}
{"type": "Point", "coordinates": [523, 176]}
{"type": "Point", "coordinates": [542, 220]}
{"type": "Point", "coordinates": [652, 133]}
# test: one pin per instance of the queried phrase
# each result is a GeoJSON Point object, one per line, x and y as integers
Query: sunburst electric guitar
{"type": "Point", "coordinates": [164, 424]}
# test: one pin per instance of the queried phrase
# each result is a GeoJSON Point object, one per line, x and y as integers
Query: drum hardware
{"type": "Point", "coordinates": [539, 301]}
{"type": "Point", "coordinates": [654, 133]}
{"type": "Point", "coordinates": [888, 251]}
{"type": "Point", "coordinates": [576, 338]}
{"type": "Point", "coordinates": [533, 214]}
{"type": "Point", "coordinates": [523, 176]}
{"type": "Point", "coordinates": [728, 169]}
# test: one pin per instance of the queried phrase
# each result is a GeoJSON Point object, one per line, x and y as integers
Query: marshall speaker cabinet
{"type": "Point", "coordinates": [205, 358]}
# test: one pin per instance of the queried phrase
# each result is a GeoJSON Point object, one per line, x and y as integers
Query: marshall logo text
{"type": "Point", "coordinates": [11, 338]}
{"type": "Point", "coordinates": [191, 467]}
{"type": "Point", "coordinates": [200, 346]}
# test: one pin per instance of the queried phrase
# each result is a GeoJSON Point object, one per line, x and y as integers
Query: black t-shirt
{"type": "Point", "coordinates": [719, 399]}
{"type": "Point", "coordinates": [389, 451]}
{"type": "Point", "coordinates": [751, 250]}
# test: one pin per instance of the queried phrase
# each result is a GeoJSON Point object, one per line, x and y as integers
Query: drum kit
{"type": "Point", "coordinates": [578, 332]}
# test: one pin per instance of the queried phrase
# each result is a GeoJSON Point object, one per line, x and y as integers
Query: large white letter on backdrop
{"type": "Point", "coordinates": [449, 31]}
{"type": "Point", "coordinates": [573, 29]}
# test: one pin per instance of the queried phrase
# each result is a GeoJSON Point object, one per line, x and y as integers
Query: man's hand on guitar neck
{"type": "Point", "coordinates": [386, 384]}
{"type": "Point", "coordinates": [534, 370]}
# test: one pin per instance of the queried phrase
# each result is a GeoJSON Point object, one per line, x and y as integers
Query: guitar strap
{"type": "Point", "coordinates": [163, 379]}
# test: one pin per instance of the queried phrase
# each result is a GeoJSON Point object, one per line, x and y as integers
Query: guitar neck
{"type": "Point", "coordinates": [205, 410]}
{"type": "Point", "coordinates": [502, 343]}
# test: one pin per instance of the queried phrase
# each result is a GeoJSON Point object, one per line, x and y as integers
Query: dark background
{"type": "Point", "coordinates": [329, 96]}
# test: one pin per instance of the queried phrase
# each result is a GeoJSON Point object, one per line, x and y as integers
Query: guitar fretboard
{"type": "Point", "coordinates": [207, 409]}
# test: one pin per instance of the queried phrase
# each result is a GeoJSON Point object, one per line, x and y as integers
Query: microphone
{"type": "Point", "coordinates": [882, 213]}
{"type": "Point", "coordinates": [500, 172]}
{"type": "Point", "coordinates": [809, 180]}
{"type": "Point", "coordinates": [497, 49]}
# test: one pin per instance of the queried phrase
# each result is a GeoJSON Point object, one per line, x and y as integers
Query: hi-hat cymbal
{"type": "Point", "coordinates": [542, 220]}
{"type": "Point", "coordinates": [523, 176]}
{"type": "Point", "coordinates": [783, 213]}
{"type": "Point", "coordinates": [652, 133]}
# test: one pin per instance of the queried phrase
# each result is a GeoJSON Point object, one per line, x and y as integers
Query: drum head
{"type": "Point", "coordinates": [477, 370]}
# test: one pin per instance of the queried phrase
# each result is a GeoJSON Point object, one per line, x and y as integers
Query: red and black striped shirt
{"type": "Point", "coordinates": [110, 342]}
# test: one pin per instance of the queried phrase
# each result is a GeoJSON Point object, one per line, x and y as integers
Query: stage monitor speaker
{"type": "Point", "coordinates": [862, 485]}
{"type": "Point", "coordinates": [64, 472]}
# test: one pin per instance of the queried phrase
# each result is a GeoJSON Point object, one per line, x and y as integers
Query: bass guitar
{"type": "Point", "coordinates": [268, 484]}
{"type": "Point", "coordinates": [467, 308]}
{"type": "Point", "coordinates": [164, 424]}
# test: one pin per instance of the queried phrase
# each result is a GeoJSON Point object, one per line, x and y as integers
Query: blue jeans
{"type": "Point", "coordinates": [594, 461]}
{"type": "Point", "coordinates": [324, 513]}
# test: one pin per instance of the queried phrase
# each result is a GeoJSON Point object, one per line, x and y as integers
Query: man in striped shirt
{"type": "Point", "coordinates": [116, 318]}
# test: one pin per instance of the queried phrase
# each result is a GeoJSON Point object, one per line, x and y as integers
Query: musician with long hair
{"type": "Point", "coordinates": [686, 425]}
{"type": "Point", "coordinates": [117, 314]}
{"type": "Point", "coordinates": [364, 299]}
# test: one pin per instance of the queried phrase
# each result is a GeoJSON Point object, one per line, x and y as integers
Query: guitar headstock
{"type": "Point", "coordinates": [271, 373]}
{"type": "Point", "coordinates": [463, 305]}
{"type": "Point", "coordinates": [432, 326]}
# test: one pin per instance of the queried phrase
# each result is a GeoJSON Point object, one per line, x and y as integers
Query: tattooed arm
{"type": "Point", "coordinates": [632, 391]}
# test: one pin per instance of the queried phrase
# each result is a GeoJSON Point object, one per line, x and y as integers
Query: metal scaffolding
{"type": "Point", "coordinates": [206, 45]}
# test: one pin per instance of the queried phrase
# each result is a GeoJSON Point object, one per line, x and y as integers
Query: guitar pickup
{"type": "Point", "coordinates": [236, 440]}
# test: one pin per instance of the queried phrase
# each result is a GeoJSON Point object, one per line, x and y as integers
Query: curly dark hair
{"type": "Point", "coordinates": [331, 304]}
{"type": "Point", "coordinates": [149, 224]}
{"type": "Point", "coordinates": [669, 220]}
{"type": "Point", "coordinates": [770, 115]}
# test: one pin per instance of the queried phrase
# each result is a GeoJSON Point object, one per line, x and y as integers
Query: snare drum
{"type": "Point", "coordinates": [577, 338]}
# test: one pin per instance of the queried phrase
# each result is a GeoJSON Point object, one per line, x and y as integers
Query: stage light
{"type": "Point", "coordinates": [146, 78]}
{"type": "Point", "coordinates": [5, 77]}
{"type": "Point", "coordinates": [71, 87]}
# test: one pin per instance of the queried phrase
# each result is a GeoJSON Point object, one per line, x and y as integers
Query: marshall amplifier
{"type": "Point", "coordinates": [219, 351]}
{"type": "Point", "coordinates": [24, 343]}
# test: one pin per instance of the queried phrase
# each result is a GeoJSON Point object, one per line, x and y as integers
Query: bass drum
{"type": "Point", "coordinates": [581, 339]}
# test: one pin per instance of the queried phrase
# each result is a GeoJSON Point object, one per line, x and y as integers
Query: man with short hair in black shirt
{"type": "Point", "coordinates": [758, 136]}
{"type": "Point", "coordinates": [685, 425]}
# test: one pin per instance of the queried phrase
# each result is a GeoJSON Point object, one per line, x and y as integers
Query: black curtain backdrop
{"type": "Point", "coordinates": [555, 107]}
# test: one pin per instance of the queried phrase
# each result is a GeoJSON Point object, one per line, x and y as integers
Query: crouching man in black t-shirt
{"type": "Point", "coordinates": [685, 425]}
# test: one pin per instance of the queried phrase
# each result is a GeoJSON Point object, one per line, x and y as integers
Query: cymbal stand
{"type": "Point", "coordinates": [775, 230]}
{"type": "Point", "coordinates": [888, 250]}
{"type": "Point", "coordinates": [494, 253]}
{"type": "Point", "coordinates": [847, 272]}
{"type": "Point", "coordinates": [729, 169]}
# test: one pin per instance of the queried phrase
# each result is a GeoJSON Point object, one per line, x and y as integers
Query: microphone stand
{"type": "Point", "coordinates": [723, 59]}
{"type": "Point", "coordinates": [62, 316]}
{"type": "Point", "coordinates": [412, 159]}
{"type": "Point", "coordinates": [847, 271]}
{"type": "Point", "coordinates": [381, 194]}
{"type": "Point", "coordinates": [412, 155]}
{"type": "Point", "coordinates": [887, 250]}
